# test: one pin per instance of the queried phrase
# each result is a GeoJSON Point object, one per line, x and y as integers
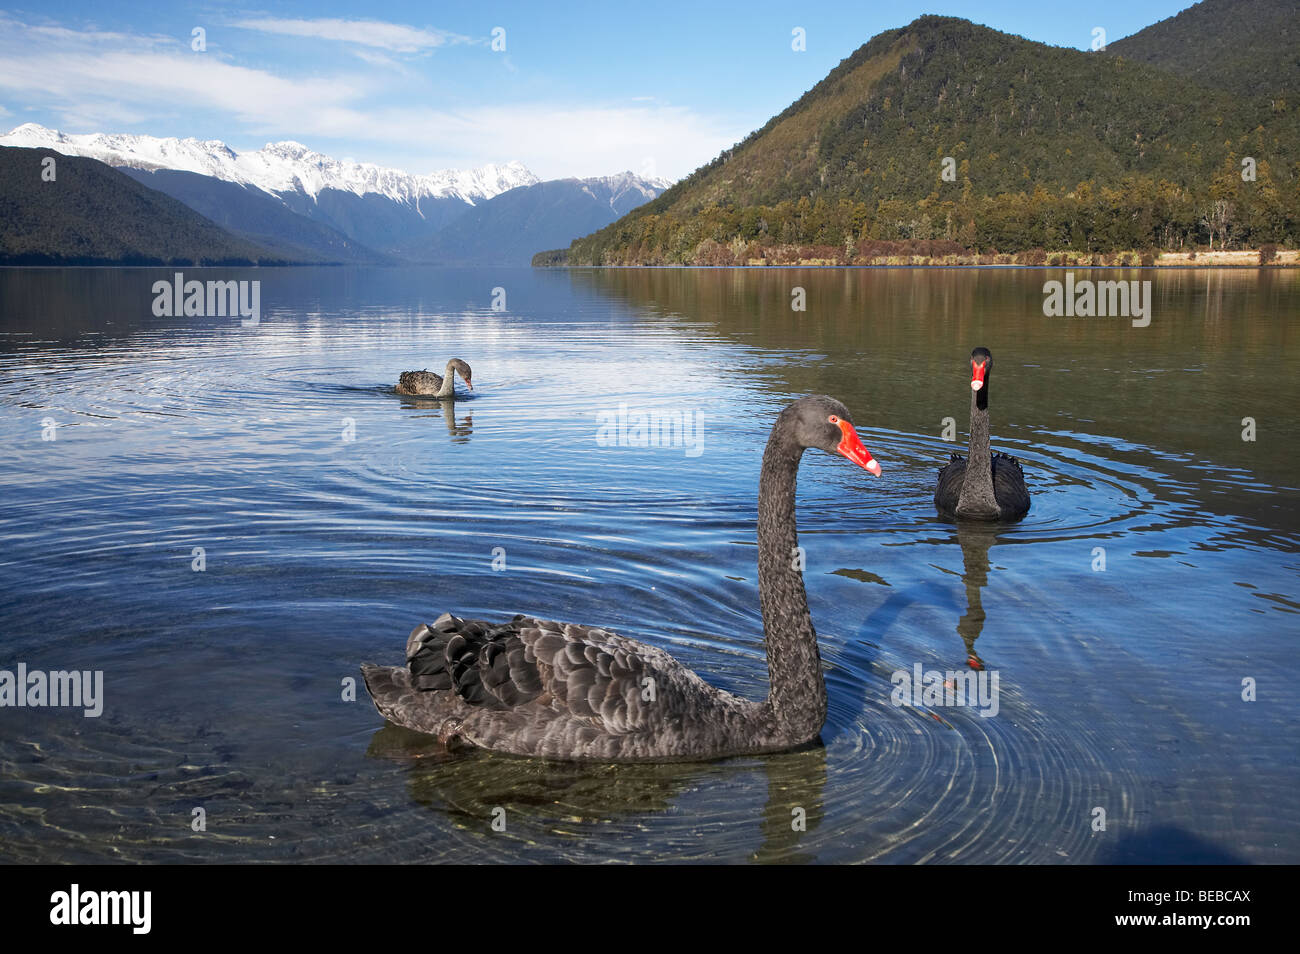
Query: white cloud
{"type": "Point", "coordinates": [556, 139]}
{"type": "Point", "coordinates": [74, 72]}
{"type": "Point", "coordinates": [396, 37]}
{"type": "Point", "coordinates": [114, 82]}
{"type": "Point", "coordinates": [377, 59]}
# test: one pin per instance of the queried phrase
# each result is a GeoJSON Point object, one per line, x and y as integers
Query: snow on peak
{"type": "Point", "coordinates": [622, 181]}
{"type": "Point", "coordinates": [612, 189]}
{"type": "Point", "coordinates": [33, 130]}
{"type": "Point", "coordinates": [277, 167]}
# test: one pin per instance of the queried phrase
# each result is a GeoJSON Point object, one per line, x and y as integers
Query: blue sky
{"type": "Point", "coordinates": [580, 88]}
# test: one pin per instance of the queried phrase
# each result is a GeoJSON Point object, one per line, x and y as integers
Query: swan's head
{"type": "Point", "coordinates": [461, 368]}
{"type": "Point", "coordinates": [981, 363]}
{"type": "Point", "coordinates": [821, 421]}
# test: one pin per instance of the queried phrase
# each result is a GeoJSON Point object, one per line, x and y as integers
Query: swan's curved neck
{"type": "Point", "coordinates": [448, 381]}
{"type": "Point", "coordinates": [798, 690]}
{"type": "Point", "coordinates": [977, 484]}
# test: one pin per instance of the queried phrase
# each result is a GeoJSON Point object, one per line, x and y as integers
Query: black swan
{"type": "Point", "coordinates": [996, 487]}
{"type": "Point", "coordinates": [428, 384]}
{"type": "Point", "coordinates": [559, 690]}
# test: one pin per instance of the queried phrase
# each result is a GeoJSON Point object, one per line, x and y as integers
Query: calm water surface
{"type": "Point", "coordinates": [1120, 688]}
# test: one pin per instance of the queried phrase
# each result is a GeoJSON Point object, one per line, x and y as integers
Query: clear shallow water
{"type": "Point", "coordinates": [1119, 689]}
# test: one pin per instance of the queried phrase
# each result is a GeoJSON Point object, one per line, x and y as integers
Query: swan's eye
{"type": "Point", "coordinates": [833, 419]}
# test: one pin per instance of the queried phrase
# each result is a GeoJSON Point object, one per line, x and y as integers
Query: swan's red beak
{"type": "Point", "coordinates": [851, 447]}
{"type": "Point", "coordinates": [469, 384]}
{"type": "Point", "coordinates": [977, 369]}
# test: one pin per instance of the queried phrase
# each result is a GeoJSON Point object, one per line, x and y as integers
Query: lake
{"type": "Point", "coordinates": [225, 520]}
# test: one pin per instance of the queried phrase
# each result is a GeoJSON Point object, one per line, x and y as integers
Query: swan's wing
{"type": "Point", "coordinates": [1009, 483]}
{"type": "Point", "coordinates": [415, 380]}
{"type": "Point", "coordinates": [1007, 466]}
{"type": "Point", "coordinates": [956, 465]}
{"type": "Point", "coordinates": [948, 489]}
{"type": "Point", "coordinates": [583, 671]}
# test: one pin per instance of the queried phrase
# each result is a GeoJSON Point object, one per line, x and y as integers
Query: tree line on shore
{"type": "Point", "coordinates": [1090, 221]}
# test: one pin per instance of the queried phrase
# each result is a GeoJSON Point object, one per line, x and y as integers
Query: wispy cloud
{"type": "Point", "coordinates": [383, 61]}
{"type": "Point", "coordinates": [86, 73]}
{"type": "Point", "coordinates": [100, 82]}
{"type": "Point", "coordinates": [395, 37]}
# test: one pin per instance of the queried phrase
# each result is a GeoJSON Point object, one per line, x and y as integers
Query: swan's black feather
{"type": "Point", "coordinates": [419, 382]}
{"type": "Point", "coordinates": [1009, 489]}
{"type": "Point", "coordinates": [949, 488]}
{"type": "Point", "coordinates": [538, 687]}
{"type": "Point", "coordinates": [528, 683]}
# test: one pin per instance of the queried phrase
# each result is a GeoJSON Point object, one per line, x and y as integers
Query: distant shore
{"type": "Point", "coordinates": [785, 257]}
{"type": "Point", "coordinates": [1235, 258]}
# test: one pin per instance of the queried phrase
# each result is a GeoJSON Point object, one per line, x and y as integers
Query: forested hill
{"type": "Point", "coordinates": [91, 214]}
{"type": "Point", "coordinates": [1245, 47]}
{"type": "Point", "coordinates": [1043, 147]}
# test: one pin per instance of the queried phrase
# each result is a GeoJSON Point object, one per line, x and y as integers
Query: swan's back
{"type": "Point", "coordinates": [1009, 489]}
{"type": "Point", "coordinates": [560, 690]}
{"type": "Point", "coordinates": [419, 382]}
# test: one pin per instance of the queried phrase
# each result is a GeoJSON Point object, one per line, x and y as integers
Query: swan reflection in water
{"type": "Point", "coordinates": [975, 540]}
{"type": "Point", "coordinates": [459, 430]}
{"type": "Point", "coordinates": [561, 798]}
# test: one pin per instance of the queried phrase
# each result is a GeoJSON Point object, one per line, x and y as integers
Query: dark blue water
{"type": "Point", "coordinates": [333, 515]}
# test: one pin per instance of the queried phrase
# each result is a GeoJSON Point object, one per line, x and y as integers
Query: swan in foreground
{"type": "Point", "coordinates": [987, 487]}
{"type": "Point", "coordinates": [435, 385]}
{"type": "Point", "coordinates": [560, 690]}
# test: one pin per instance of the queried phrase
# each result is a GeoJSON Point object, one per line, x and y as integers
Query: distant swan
{"type": "Point", "coordinates": [559, 690]}
{"type": "Point", "coordinates": [435, 385]}
{"type": "Point", "coordinates": [988, 487]}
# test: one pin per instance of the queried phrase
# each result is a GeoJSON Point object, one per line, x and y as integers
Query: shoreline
{"type": "Point", "coordinates": [1234, 258]}
{"type": "Point", "coordinates": [760, 266]}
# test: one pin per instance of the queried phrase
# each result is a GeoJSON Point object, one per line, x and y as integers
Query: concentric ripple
{"type": "Point", "coordinates": [225, 521]}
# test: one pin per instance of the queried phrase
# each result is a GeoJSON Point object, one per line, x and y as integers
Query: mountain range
{"type": "Point", "coordinates": [951, 132]}
{"type": "Point", "coordinates": [278, 168]}
{"type": "Point", "coordinates": [295, 204]}
{"type": "Point", "coordinates": [511, 227]}
{"type": "Point", "coordinates": [69, 210]}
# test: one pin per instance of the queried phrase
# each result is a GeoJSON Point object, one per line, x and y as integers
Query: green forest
{"type": "Point", "coordinates": [970, 140]}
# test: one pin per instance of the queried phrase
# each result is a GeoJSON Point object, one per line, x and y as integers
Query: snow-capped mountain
{"type": "Point", "coordinates": [306, 206]}
{"type": "Point", "coordinates": [277, 167]}
{"type": "Point", "coordinates": [623, 191]}
{"type": "Point", "coordinates": [510, 228]}
{"type": "Point", "coordinates": [372, 206]}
